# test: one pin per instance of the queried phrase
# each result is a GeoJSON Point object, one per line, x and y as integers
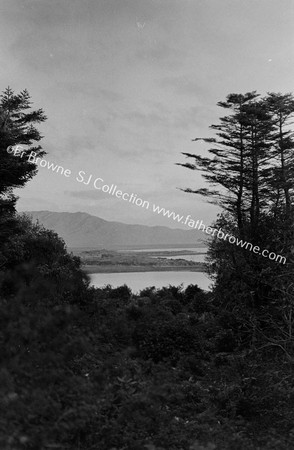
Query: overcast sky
{"type": "Point", "coordinates": [126, 85]}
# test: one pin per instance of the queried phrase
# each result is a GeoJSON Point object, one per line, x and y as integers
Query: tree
{"type": "Point", "coordinates": [17, 127]}
{"type": "Point", "coordinates": [251, 168]}
{"type": "Point", "coordinates": [281, 108]}
{"type": "Point", "coordinates": [240, 162]}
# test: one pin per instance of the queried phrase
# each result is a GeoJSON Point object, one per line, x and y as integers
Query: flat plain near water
{"type": "Point", "coordinates": [142, 260]}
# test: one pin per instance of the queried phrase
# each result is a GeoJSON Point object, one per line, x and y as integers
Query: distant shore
{"type": "Point", "coordinates": [90, 269]}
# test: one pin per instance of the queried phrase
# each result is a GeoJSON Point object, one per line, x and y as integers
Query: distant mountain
{"type": "Point", "coordinates": [83, 230]}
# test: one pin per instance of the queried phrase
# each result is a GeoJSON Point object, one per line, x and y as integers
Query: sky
{"type": "Point", "coordinates": [127, 84]}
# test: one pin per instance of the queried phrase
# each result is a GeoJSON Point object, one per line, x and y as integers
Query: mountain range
{"type": "Point", "coordinates": [82, 230]}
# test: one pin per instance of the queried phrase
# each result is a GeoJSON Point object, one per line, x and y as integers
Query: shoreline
{"type": "Point", "coordinates": [91, 269]}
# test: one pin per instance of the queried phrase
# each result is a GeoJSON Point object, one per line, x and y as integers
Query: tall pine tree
{"type": "Point", "coordinates": [251, 170]}
{"type": "Point", "coordinates": [17, 127]}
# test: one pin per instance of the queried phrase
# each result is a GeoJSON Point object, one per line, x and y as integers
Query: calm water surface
{"type": "Point", "coordinates": [140, 280]}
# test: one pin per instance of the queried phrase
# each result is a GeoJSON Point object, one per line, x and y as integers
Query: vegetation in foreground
{"type": "Point", "coordinates": [85, 368]}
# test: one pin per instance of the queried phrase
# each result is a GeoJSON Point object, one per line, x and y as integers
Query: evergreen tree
{"type": "Point", "coordinates": [239, 163]}
{"type": "Point", "coordinates": [251, 169]}
{"type": "Point", "coordinates": [281, 108]}
{"type": "Point", "coordinates": [17, 127]}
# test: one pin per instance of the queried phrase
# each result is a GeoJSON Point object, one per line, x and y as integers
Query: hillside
{"type": "Point", "coordinates": [83, 230]}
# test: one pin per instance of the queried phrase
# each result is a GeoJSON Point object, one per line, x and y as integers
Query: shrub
{"type": "Point", "coordinates": [165, 339]}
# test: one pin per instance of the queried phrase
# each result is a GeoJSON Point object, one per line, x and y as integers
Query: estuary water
{"type": "Point", "coordinates": [140, 280]}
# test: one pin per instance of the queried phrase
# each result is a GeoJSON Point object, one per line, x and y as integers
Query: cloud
{"type": "Point", "coordinates": [89, 194]}
{"type": "Point", "coordinates": [41, 12]}
{"type": "Point", "coordinates": [197, 117]}
{"type": "Point", "coordinates": [182, 85]}
{"type": "Point", "coordinates": [37, 204]}
{"type": "Point", "coordinates": [140, 189]}
{"type": "Point", "coordinates": [147, 119]}
{"type": "Point", "coordinates": [49, 53]}
{"type": "Point", "coordinates": [159, 53]}
{"type": "Point", "coordinates": [74, 88]}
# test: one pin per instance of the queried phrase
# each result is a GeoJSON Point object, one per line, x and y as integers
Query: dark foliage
{"type": "Point", "coordinates": [17, 127]}
{"type": "Point", "coordinates": [133, 374]}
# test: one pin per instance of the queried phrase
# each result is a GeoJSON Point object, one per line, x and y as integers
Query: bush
{"type": "Point", "coordinates": [38, 257]}
{"type": "Point", "coordinates": [165, 339]}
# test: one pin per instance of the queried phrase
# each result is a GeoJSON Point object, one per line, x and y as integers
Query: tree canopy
{"type": "Point", "coordinates": [17, 127]}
